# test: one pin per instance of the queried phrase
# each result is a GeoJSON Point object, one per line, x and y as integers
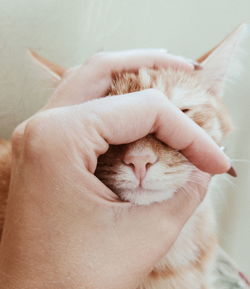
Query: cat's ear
{"type": "Point", "coordinates": [217, 63]}
{"type": "Point", "coordinates": [53, 69]}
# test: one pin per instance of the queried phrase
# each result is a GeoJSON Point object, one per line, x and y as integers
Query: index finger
{"type": "Point", "coordinates": [92, 79]}
{"type": "Point", "coordinates": [120, 120]}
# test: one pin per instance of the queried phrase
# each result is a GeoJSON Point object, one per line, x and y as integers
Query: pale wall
{"type": "Point", "coordinates": [69, 31]}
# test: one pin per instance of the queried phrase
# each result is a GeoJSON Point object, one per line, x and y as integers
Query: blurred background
{"type": "Point", "coordinates": [67, 32]}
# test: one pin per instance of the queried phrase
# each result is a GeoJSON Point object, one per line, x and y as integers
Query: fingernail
{"type": "Point", "coordinates": [197, 66]}
{"type": "Point", "coordinates": [232, 172]}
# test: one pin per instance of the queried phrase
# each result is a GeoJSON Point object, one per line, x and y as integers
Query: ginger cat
{"type": "Point", "coordinates": [148, 171]}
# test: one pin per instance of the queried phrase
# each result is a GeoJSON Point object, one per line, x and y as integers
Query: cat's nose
{"type": "Point", "coordinates": [140, 162]}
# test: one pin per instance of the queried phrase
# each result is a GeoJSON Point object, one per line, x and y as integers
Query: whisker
{"type": "Point", "coordinates": [240, 160]}
{"type": "Point", "coordinates": [229, 181]}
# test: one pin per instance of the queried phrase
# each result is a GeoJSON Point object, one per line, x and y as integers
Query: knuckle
{"type": "Point", "coordinates": [155, 96]}
{"type": "Point", "coordinates": [100, 57]}
{"type": "Point", "coordinates": [17, 139]}
{"type": "Point", "coordinates": [155, 93]}
{"type": "Point", "coordinates": [35, 136]}
{"type": "Point", "coordinates": [32, 128]}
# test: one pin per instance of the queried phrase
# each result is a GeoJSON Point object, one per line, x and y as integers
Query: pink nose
{"type": "Point", "coordinates": [140, 162]}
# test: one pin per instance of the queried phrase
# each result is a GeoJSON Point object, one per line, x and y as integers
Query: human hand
{"type": "Point", "coordinates": [64, 228]}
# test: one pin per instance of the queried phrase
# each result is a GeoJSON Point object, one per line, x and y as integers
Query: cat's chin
{"type": "Point", "coordinates": [145, 197]}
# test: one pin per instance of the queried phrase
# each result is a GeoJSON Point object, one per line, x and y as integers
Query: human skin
{"type": "Point", "coordinates": [64, 228]}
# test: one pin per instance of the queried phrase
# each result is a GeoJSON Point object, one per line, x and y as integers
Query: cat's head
{"type": "Point", "coordinates": [147, 170]}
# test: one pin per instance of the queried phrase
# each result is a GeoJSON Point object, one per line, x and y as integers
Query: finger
{"type": "Point", "coordinates": [179, 208]}
{"type": "Point", "coordinates": [132, 60]}
{"type": "Point", "coordinates": [127, 118]}
{"type": "Point", "coordinates": [92, 79]}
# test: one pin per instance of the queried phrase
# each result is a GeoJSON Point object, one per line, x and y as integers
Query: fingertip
{"type": "Point", "coordinates": [206, 155]}
{"type": "Point", "coordinates": [221, 165]}
{"type": "Point", "coordinates": [213, 163]}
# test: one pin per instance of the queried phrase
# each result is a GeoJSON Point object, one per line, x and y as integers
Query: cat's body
{"type": "Point", "coordinates": [189, 262]}
{"type": "Point", "coordinates": [148, 171]}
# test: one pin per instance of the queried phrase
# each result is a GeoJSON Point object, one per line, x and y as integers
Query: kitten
{"type": "Point", "coordinates": [148, 171]}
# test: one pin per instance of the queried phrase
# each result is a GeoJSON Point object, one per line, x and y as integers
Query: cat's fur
{"type": "Point", "coordinates": [198, 94]}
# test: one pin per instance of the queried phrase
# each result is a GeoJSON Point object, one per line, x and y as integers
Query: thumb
{"type": "Point", "coordinates": [161, 223]}
{"type": "Point", "coordinates": [186, 200]}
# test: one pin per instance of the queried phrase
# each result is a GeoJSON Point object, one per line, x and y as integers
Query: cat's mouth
{"type": "Point", "coordinates": [141, 190]}
{"type": "Point", "coordinates": [142, 196]}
